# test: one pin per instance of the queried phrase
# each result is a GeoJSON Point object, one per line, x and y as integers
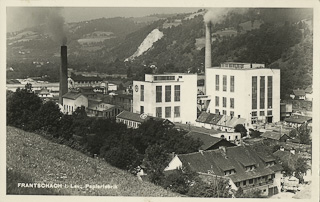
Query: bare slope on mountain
{"type": "Point", "coordinates": [33, 159]}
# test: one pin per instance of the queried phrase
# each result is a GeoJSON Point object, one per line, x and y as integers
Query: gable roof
{"type": "Point", "coordinates": [85, 78]}
{"type": "Point", "coordinates": [209, 118]}
{"type": "Point", "coordinates": [298, 119]}
{"type": "Point", "coordinates": [237, 158]}
{"type": "Point", "coordinates": [308, 90]}
{"type": "Point", "coordinates": [207, 140]}
{"type": "Point", "coordinates": [299, 92]}
{"type": "Point", "coordinates": [273, 135]}
{"type": "Point", "coordinates": [135, 117]}
{"type": "Point", "coordinates": [73, 95]}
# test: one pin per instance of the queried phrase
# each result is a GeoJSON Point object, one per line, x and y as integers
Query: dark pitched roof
{"type": "Point", "coordinates": [298, 119]}
{"type": "Point", "coordinates": [237, 158]}
{"type": "Point", "coordinates": [135, 117]}
{"type": "Point", "coordinates": [299, 92]}
{"type": "Point", "coordinates": [207, 140]}
{"type": "Point", "coordinates": [72, 95]}
{"type": "Point", "coordinates": [196, 129]}
{"type": "Point", "coordinates": [273, 135]}
{"type": "Point", "coordinates": [205, 117]}
{"type": "Point", "coordinates": [308, 90]}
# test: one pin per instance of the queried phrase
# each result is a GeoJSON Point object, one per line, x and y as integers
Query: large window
{"type": "Point", "coordinates": [232, 103]}
{"type": "Point", "coordinates": [141, 110]}
{"type": "Point", "coordinates": [254, 92]}
{"type": "Point", "coordinates": [224, 83]}
{"type": "Point", "coordinates": [269, 92]}
{"type": "Point", "coordinates": [177, 93]}
{"type": "Point", "coordinates": [231, 83]}
{"type": "Point", "coordinates": [217, 101]}
{"type": "Point", "coordinates": [142, 93]}
{"type": "Point", "coordinates": [217, 82]}
{"type": "Point", "coordinates": [224, 102]}
{"type": "Point", "coordinates": [168, 94]}
{"type": "Point", "coordinates": [159, 112]}
{"type": "Point", "coordinates": [177, 111]}
{"type": "Point", "coordinates": [217, 111]}
{"type": "Point", "coordinates": [158, 93]}
{"type": "Point", "coordinates": [168, 112]}
{"type": "Point", "coordinates": [262, 92]}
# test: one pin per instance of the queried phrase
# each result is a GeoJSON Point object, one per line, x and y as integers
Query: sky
{"type": "Point", "coordinates": [22, 17]}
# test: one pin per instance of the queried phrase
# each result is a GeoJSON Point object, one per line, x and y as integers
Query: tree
{"type": "Point", "coordinates": [241, 129]}
{"type": "Point", "coordinates": [253, 193]}
{"type": "Point", "coordinates": [21, 109]}
{"type": "Point", "coordinates": [49, 116]}
{"type": "Point", "coordinates": [304, 134]}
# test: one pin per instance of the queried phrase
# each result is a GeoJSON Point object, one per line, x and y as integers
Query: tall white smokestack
{"type": "Point", "coordinates": [208, 45]}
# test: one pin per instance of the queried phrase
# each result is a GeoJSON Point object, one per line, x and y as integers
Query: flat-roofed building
{"type": "Point", "coordinates": [171, 96]}
{"type": "Point", "coordinates": [244, 90]}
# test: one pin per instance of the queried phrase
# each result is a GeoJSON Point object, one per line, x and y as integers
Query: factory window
{"type": "Point", "coordinates": [217, 101]}
{"type": "Point", "coordinates": [269, 92]}
{"type": "Point", "coordinates": [158, 93]}
{"type": "Point", "coordinates": [262, 92]}
{"type": "Point", "coordinates": [168, 93]}
{"type": "Point", "coordinates": [142, 93]}
{"type": "Point", "coordinates": [231, 83]}
{"type": "Point", "coordinates": [224, 83]}
{"type": "Point", "coordinates": [217, 82]}
{"type": "Point", "coordinates": [261, 113]}
{"type": "Point", "coordinates": [217, 111]}
{"type": "Point", "coordinates": [232, 103]}
{"type": "Point", "coordinates": [224, 112]}
{"type": "Point", "coordinates": [159, 112]}
{"type": "Point", "coordinates": [269, 112]}
{"type": "Point", "coordinates": [254, 114]}
{"type": "Point", "coordinates": [251, 181]}
{"type": "Point", "coordinates": [244, 182]}
{"type": "Point", "coordinates": [177, 111]}
{"type": "Point", "coordinates": [177, 93]}
{"type": "Point", "coordinates": [168, 112]}
{"type": "Point", "coordinates": [141, 110]}
{"type": "Point", "coordinates": [232, 113]}
{"type": "Point", "coordinates": [254, 92]}
{"type": "Point", "coordinates": [224, 102]}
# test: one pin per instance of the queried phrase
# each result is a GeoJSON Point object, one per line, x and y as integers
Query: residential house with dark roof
{"type": "Point", "coordinates": [297, 120]}
{"type": "Point", "coordinates": [72, 100]}
{"type": "Point", "coordinates": [275, 136]}
{"type": "Point", "coordinates": [134, 120]}
{"type": "Point", "coordinates": [243, 166]}
{"type": "Point", "coordinates": [298, 94]}
{"type": "Point", "coordinates": [209, 142]}
{"type": "Point", "coordinates": [76, 81]}
{"type": "Point", "coordinates": [309, 93]}
{"type": "Point", "coordinates": [102, 109]}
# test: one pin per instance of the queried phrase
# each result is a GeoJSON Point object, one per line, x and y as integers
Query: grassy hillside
{"type": "Point", "coordinates": [33, 159]}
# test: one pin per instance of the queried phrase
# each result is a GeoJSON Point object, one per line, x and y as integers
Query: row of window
{"type": "Point", "coordinates": [176, 112]}
{"type": "Point", "coordinates": [168, 93]}
{"type": "Point", "coordinates": [261, 113]}
{"type": "Point", "coordinates": [224, 102]}
{"type": "Point", "coordinates": [262, 92]}
{"type": "Point", "coordinates": [224, 82]}
{"type": "Point", "coordinates": [224, 112]}
{"type": "Point", "coordinates": [131, 124]}
{"type": "Point", "coordinates": [256, 180]}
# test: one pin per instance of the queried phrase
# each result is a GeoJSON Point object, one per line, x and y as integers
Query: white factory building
{"type": "Point", "coordinates": [171, 96]}
{"type": "Point", "coordinates": [244, 90]}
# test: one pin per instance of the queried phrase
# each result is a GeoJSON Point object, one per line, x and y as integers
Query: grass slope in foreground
{"type": "Point", "coordinates": [33, 159]}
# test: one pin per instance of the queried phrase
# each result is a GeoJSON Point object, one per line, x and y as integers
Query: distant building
{"type": "Point", "coordinates": [297, 120]}
{"type": "Point", "coordinates": [72, 100]}
{"type": "Point", "coordinates": [171, 96]}
{"type": "Point", "coordinates": [134, 120]}
{"type": "Point", "coordinates": [124, 101]}
{"type": "Point", "coordinates": [285, 110]}
{"type": "Point", "coordinates": [244, 90]}
{"type": "Point", "coordinates": [102, 110]}
{"type": "Point", "coordinates": [275, 136]}
{"type": "Point", "coordinates": [243, 166]}
{"type": "Point", "coordinates": [77, 81]}
{"type": "Point", "coordinates": [298, 94]}
{"type": "Point", "coordinates": [309, 93]}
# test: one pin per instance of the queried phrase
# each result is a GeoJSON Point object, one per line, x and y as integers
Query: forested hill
{"type": "Point", "coordinates": [279, 38]}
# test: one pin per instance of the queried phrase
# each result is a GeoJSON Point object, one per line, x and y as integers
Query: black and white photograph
{"type": "Point", "coordinates": [160, 102]}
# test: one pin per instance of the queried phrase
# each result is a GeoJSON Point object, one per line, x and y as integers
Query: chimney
{"type": "Point", "coordinates": [207, 62]}
{"type": "Point", "coordinates": [63, 87]}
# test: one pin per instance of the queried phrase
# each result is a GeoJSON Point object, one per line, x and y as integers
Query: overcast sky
{"type": "Point", "coordinates": [21, 17]}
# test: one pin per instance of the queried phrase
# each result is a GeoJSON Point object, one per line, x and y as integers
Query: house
{"type": "Point", "coordinates": [298, 94]}
{"type": "Point", "coordinates": [123, 100]}
{"type": "Point", "coordinates": [309, 93]}
{"type": "Point", "coordinates": [102, 109]}
{"type": "Point", "coordinates": [285, 110]}
{"type": "Point", "coordinates": [134, 120]}
{"type": "Point", "coordinates": [43, 93]}
{"type": "Point", "coordinates": [208, 120]}
{"type": "Point", "coordinates": [128, 86]}
{"type": "Point", "coordinates": [234, 137]}
{"type": "Point", "coordinates": [243, 166]}
{"type": "Point", "coordinates": [72, 100]}
{"type": "Point", "coordinates": [209, 142]}
{"type": "Point", "coordinates": [297, 120]}
{"type": "Point", "coordinates": [276, 136]}
{"type": "Point", "coordinates": [76, 81]}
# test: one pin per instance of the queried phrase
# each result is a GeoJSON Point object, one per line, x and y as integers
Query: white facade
{"type": "Point", "coordinates": [70, 105]}
{"type": "Point", "coordinates": [245, 92]}
{"type": "Point", "coordinates": [170, 96]}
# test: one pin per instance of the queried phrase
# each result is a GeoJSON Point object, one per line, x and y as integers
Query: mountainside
{"type": "Point", "coordinates": [33, 159]}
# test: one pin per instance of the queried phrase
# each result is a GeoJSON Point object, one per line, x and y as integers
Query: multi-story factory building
{"type": "Point", "coordinates": [171, 96]}
{"type": "Point", "coordinates": [244, 90]}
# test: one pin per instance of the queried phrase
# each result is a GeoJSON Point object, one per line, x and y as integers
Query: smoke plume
{"type": "Point", "coordinates": [216, 15]}
{"type": "Point", "coordinates": [56, 27]}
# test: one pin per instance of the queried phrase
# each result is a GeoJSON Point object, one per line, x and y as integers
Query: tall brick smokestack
{"type": "Point", "coordinates": [63, 88]}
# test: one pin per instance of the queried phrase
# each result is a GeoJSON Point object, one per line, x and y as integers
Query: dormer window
{"type": "Point", "coordinates": [270, 163]}
{"type": "Point", "coordinates": [249, 168]}
{"type": "Point", "coordinates": [229, 172]}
